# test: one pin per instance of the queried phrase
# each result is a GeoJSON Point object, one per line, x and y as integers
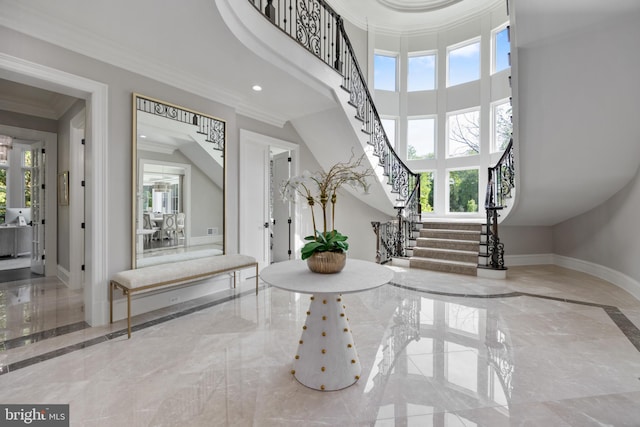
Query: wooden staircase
{"type": "Point", "coordinates": [451, 247]}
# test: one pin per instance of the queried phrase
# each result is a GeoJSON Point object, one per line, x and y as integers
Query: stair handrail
{"type": "Point", "coordinates": [499, 186]}
{"type": "Point", "coordinates": [320, 29]}
{"type": "Point", "coordinates": [501, 179]}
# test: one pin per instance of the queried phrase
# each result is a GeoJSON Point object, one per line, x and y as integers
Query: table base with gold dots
{"type": "Point", "coordinates": [326, 358]}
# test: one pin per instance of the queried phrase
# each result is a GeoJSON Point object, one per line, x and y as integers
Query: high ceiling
{"type": "Point", "coordinates": [410, 16]}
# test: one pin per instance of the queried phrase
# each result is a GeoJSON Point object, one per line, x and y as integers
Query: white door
{"type": "Point", "coordinates": [254, 201]}
{"type": "Point", "coordinates": [37, 208]}
{"type": "Point", "coordinates": [281, 227]}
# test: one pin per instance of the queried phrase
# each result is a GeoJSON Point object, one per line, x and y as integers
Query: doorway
{"type": "Point", "coordinates": [267, 224]}
{"type": "Point", "coordinates": [97, 228]}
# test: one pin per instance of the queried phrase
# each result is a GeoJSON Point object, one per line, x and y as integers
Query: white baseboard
{"type": "Point", "coordinates": [612, 276]}
{"type": "Point", "coordinates": [605, 273]}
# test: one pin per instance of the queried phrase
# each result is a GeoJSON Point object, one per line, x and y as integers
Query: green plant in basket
{"type": "Point", "coordinates": [330, 241]}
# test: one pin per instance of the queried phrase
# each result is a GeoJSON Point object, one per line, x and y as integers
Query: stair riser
{"type": "Point", "coordinates": [448, 244]}
{"type": "Point", "coordinates": [435, 254]}
{"type": "Point", "coordinates": [446, 268]}
{"type": "Point", "coordinates": [449, 234]}
{"type": "Point", "coordinates": [451, 226]}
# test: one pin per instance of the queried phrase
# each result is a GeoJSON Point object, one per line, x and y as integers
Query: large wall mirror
{"type": "Point", "coordinates": [178, 172]}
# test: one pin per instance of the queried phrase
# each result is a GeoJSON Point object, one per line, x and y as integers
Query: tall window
{"type": "Point", "coordinates": [384, 71]}
{"type": "Point", "coordinates": [421, 137]}
{"type": "Point", "coordinates": [463, 190]}
{"type": "Point", "coordinates": [421, 72]}
{"type": "Point", "coordinates": [26, 174]}
{"type": "Point", "coordinates": [463, 63]}
{"type": "Point", "coordinates": [502, 125]}
{"type": "Point", "coordinates": [463, 134]}
{"type": "Point", "coordinates": [389, 126]}
{"type": "Point", "coordinates": [501, 49]}
{"type": "Point", "coordinates": [426, 191]}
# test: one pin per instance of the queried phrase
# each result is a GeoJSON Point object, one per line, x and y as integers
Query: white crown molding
{"type": "Point", "coordinates": [16, 106]}
{"type": "Point", "coordinates": [261, 115]}
{"type": "Point", "coordinates": [28, 20]}
{"type": "Point", "coordinates": [155, 147]}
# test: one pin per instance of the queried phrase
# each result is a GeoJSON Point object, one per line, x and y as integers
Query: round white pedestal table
{"type": "Point", "coordinates": [326, 358]}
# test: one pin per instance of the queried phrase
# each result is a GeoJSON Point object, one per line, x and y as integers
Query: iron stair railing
{"type": "Point", "coordinates": [501, 181]}
{"type": "Point", "coordinates": [320, 30]}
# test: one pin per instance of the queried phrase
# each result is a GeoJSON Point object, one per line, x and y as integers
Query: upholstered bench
{"type": "Point", "coordinates": [175, 273]}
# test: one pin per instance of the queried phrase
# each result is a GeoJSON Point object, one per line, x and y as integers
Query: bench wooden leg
{"type": "Point", "coordinates": [129, 313]}
{"type": "Point", "coordinates": [110, 302]}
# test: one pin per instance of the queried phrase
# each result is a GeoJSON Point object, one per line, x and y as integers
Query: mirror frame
{"type": "Point", "coordinates": [172, 112]}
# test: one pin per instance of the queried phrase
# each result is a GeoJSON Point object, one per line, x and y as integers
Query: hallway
{"type": "Point", "coordinates": [548, 346]}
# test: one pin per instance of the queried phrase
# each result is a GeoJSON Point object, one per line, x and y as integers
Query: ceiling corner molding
{"type": "Point", "coordinates": [30, 21]}
{"type": "Point", "coordinates": [417, 6]}
{"type": "Point", "coordinates": [260, 115]}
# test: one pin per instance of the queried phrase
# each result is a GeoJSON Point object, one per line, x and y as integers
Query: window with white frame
{"type": "Point", "coordinates": [421, 72]}
{"type": "Point", "coordinates": [463, 133]}
{"type": "Point", "coordinates": [500, 48]}
{"type": "Point", "coordinates": [463, 190]}
{"type": "Point", "coordinates": [421, 138]}
{"type": "Point", "coordinates": [463, 62]}
{"type": "Point", "coordinates": [502, 124]}
{"type": "Point", "coordinates": [427, 186]}
{"type": "Point", "coordinates": [389, 126]}
{"type": "Point", "coordinates": [26, 175]}
{"type": "Point", "coordinates": [385, 66]}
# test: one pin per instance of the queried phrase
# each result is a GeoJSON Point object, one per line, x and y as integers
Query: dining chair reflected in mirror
{"type": "Point", "coordinates": [147, 224]}
{"type": "Point", "coordinates": [180, 217]}
{"type": "Point", "coordinates": [169, 226]}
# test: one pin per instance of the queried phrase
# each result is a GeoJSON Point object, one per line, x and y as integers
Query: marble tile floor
{"type": "Point", "coordinates": [546, 347]}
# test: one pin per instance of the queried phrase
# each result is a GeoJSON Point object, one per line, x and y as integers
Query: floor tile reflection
{"type": "Point", "coordinates": [547, 346]}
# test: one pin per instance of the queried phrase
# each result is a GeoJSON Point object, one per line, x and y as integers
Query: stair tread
{"type": "Point", "coordinates": [450, 251]}
{"type": "Point", "coordinates": [439, 239]}
{"type": "Point", "coordinates": [444, 261]}
{"type": "Point", "coordinates": [450, 230]}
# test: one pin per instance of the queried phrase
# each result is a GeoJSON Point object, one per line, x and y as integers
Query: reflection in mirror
{"type": "Point", "coordinates": [178, 194]}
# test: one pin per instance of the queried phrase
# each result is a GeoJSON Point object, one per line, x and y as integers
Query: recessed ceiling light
{"type": "Point", "coordinates": [257, 88]}
{"type": "Point", "coordinates": [143, 136]}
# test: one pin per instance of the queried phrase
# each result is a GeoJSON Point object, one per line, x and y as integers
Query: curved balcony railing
{"type": "Point", "coordinates": [320, 30]}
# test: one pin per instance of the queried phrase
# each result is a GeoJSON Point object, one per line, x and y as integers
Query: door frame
{"type": "Point", "coordinates": [96, 303]}
{"type": "Point", "coordinates": [77, 126]}
{"type": "Point", "coordinates": [249, 137]}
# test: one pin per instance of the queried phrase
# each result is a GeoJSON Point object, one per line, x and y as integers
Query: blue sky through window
{"type": "Point", "coordinates": [384, 72]}
{"type": "Point", "coordinates": [502, 50]}
{"type": "Point", "coordinates": [421, 73]}
{"type": "Point", "coordinates": [464, 64]}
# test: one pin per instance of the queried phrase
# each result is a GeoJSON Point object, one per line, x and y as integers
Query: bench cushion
{"type": "Point", "coordinates": [175, 272]}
